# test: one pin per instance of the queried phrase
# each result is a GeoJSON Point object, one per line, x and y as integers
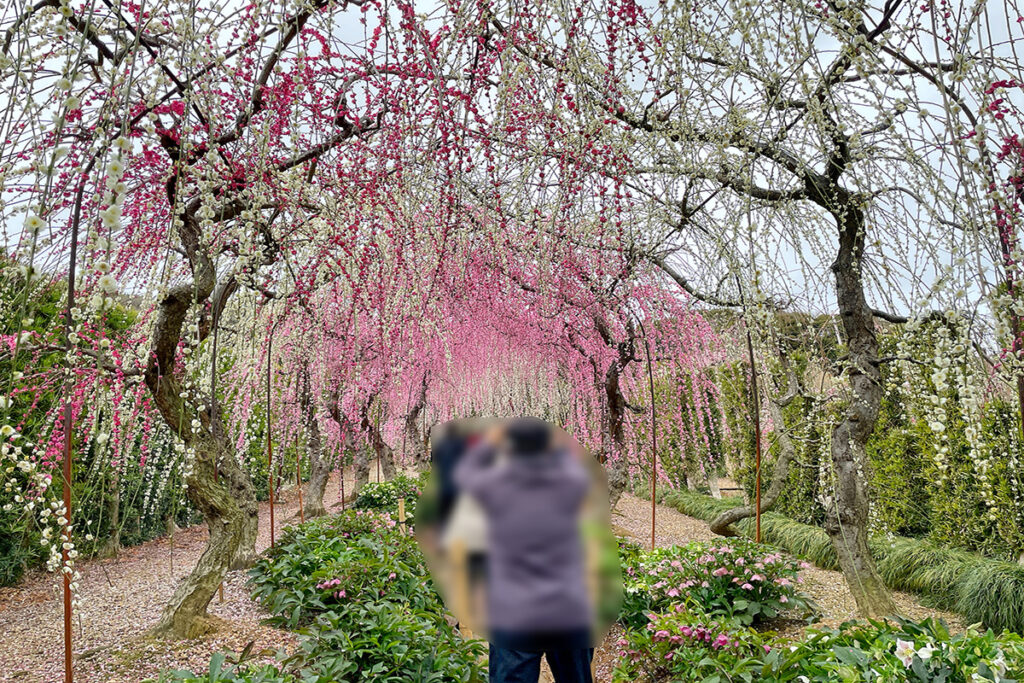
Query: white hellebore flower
{"type": "Point", "coordinates": [925, 652]}
{"type": "Point", "coordinates": [5, 403]}
{"type": "Point", "coordinates": [905, 651]}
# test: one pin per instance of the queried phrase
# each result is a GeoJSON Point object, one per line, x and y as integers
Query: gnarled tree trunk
{"type": "Point", "coordinates": [413, 438]}
{"type": "Point", "coordinates": [847, 520]}
{"type": "Point", "coordinates": [381, 449]}
{"type": "Point", "coordinates": [217, 485]}
{"type": "Point", "coordinates": [319, 466]}
{"type": "Point", "coordinates": [112, 546]}
{"type": "Point", "coordinates": [616, 466]}
{"type": "Point", "coordinates": [722, 525]}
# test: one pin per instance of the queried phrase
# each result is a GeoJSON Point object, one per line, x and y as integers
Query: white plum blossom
{"type": "Point", "coordinates": [33, 224]}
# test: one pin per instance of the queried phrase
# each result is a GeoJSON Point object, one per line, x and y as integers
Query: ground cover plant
{"type": "Point", "coordinates": [676, 636]}
{"type": "Point", "coordinates": [736, 579]}
{"type": "Point", "coordinates": [983, 590]}
{"type": "Point", "coordinates": [356, 589]}
{"type": "Point", "coordinates": [385, 495]}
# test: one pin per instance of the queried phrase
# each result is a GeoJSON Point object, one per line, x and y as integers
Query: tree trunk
{"type": "Point", "coordinates": [381, 449]}
{"type": "Point", "coordinates": [217, 485]}
{"type": "Point", "coordinates": [361, 468]}
{"type": "Point", "coordinates": [615, 413]}
{"type": "Point", "coordinates": [229, 507]}
{"type": "Point", "coordinates": [319, 473]}
{"type": "Point", "coordinates": [112, 546]}
{"type": "Point", "coordinates": [722, 525]}
{"type": "Point", "coordinates": [413, 438]}
{"type": "Point", "coordinates": [847, 519]}
{"type": "Point", "coordinates": [319, 466]}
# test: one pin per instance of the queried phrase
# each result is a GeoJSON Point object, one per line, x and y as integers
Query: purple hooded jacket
{"type": "Point", "coordinates": [535, 564]}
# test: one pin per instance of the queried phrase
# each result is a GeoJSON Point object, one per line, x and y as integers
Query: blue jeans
{"type": "Point", "coordinates": [521, 666]}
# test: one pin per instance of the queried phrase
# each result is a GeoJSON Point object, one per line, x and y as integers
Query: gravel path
{"type": "Point", "coordinates": [123, 597]}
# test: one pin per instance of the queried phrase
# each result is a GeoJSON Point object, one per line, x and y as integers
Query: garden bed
{"type": "Point", "coordinates": [983, 590]}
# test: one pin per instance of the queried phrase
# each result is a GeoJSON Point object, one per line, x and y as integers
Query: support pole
{"type": "Point", "coordinates": [341, 444]}
{"type": "Point", "coordinates": [654, 432]}
{"type": "Point", "coordinates": [270, 450]}
{"type": "Point", "coordinates": [215, 321]}
{"type": "Point", "coordinates": [755, 403]}
{"type": "Point", "coordinates": [298, 480]}
{"type": "Point", "coordinates": [68, 388]}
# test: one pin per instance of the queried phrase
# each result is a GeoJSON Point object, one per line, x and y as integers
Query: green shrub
{"type": "Point", "coordinates": [920, 652]}
{"type": "Point", "coordinates": [332, 562]}
{"type": "Point", "coordinates": [983, 590]}
{"type": "Point", "coordinates": [386, 642]}
{"type": "Point", "coordinates": [357, 588]}
{"type": "Point", "coordinates": [386, 494]}
{"type": "Point", "coordinates": [683, 646]}
{"type": "Point", "coordinates": [738, 579]}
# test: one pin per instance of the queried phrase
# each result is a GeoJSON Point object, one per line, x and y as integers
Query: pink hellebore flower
{"type": "Point", "coordinates": [721, 571]}
{"type": "Point", "coordinates": [673, 593]}
{"type": "Point", "coordinates": [747, 587]}
{"type": "Point", "coordinates": [661, 634]}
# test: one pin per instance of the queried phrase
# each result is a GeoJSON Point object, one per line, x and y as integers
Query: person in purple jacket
{"type": "Point", "coordinates": [537, 599]}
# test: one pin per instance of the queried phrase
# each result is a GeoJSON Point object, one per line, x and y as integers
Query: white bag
{"type": "Point", "coordinates": [468, 523]}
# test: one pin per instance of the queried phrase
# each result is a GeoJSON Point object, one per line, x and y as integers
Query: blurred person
{"type": "Point", "coordinates": [532, 488]}
{"type": "Point", "coordinates": [451, 527]}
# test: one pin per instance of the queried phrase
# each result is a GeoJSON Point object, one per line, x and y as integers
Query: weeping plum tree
{"type": "Point", "coordinates": [783, 154]}
{"type": "Point", "coordinates": [188, 147]}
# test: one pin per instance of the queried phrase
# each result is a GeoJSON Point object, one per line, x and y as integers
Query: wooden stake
{"type": "Point", "coordinates": [654, 433]}
{"type": "Point", "coordinates": [68, 326]}
{"type": "Point", "coordinates": [213, 411]}
{"type": "Point", "coordinates": [401, 513]}
{"type": "Point", "coordinates": [298, 483]}
{"type": "Point", "coordinates": [756, 408]}
{"type": "Point", "coordinates": [270, 450]}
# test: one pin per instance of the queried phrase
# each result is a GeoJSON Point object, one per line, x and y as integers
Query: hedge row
{"type": "Point", "coordinates": [982, 590]}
